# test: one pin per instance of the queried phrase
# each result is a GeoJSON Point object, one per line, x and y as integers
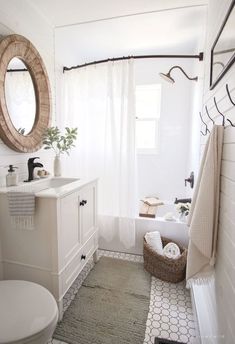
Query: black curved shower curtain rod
{"type": "Point", "coordinates": [199, 57]}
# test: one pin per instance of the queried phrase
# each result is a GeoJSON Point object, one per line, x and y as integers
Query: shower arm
{"type": "Point", "coordinates": [196, 78]}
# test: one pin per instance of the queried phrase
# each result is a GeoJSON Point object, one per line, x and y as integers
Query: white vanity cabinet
{"type": "Point", "coordinates": [78, 231]}
{"type": "Point", "coordinates": [64, 239]}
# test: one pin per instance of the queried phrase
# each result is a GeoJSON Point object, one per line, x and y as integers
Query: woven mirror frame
{"type": "Point", "coordinates": [18, 46]}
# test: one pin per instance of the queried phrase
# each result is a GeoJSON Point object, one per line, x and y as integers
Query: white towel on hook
{"type": "Point", "coordinates": [203, 217]}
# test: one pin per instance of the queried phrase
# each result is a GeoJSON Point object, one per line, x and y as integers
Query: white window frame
{"type": "Point", "coordinates": [155, 149]}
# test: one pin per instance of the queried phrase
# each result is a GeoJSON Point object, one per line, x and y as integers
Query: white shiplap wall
{"type": "Point", "coordinates": [21, 18]}
{"type": "Point", "coordinates": [216, 303]}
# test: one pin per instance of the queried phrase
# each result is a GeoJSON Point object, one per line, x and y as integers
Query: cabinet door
{"type": "Point", "coordinates": [88, 211]}
{"type": "Point", "coordinates": [70, 226]}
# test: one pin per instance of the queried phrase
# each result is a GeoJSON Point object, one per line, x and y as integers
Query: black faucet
{"type": "Point", "coordinates": [31, 167]}
{"type": "Point", "coordinates": [183, 200]}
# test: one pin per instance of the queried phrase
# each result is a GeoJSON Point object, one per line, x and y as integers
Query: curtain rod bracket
{"type": "Point", "coordinates": [201, 56]}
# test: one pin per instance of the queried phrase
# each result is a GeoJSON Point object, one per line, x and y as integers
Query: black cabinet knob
{"type": "Point", "coordinates": [83, 256]}
{"type": "Point", "coordinates": [81, 203]}
{"type": "Point", "coordinates": [85, 201]}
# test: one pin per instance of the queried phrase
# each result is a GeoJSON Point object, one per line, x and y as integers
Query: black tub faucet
{"type": "Point", "coordinates": [31, 167]}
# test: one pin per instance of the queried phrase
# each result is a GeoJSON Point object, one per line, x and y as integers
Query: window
{"type": "Point", "coordinates": [148, 99]}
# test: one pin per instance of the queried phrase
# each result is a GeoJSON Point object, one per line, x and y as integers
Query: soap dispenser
{"type": "Point", "coordinates": [12, 176]}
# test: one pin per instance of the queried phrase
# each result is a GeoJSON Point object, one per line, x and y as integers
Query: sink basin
{"type": "Point", "coordinates": [43, 184]}
{"type": "Point", "coordinates": [58, 182]}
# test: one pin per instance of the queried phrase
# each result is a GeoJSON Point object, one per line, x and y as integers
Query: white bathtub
{"type": "Point", "coordinates": [174, 230]}
{"type": "Point", "coordinates": [167, 207]}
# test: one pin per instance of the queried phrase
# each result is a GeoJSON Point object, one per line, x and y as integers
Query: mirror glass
{"type": "Point", "coordinates": [20, 96]}
{"type": "Point", "coordinates": [223, 51]}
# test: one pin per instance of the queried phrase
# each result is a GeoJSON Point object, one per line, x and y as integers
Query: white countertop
{"type": "Point", "coordinates": [42, 187]}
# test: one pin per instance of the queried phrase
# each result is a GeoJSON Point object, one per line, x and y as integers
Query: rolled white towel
{"type": "Point", "coordinates": [171, 250]}
{"type": "Point", "coordinates": [154, 240]}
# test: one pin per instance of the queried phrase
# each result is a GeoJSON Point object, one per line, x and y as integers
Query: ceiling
{"type": "Point", "coordinates": [68, 12]}
{"type": "Point", "coordinates": [96, 29]}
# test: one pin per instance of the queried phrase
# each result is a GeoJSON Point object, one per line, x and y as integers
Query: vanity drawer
{"type": "Point", "coordinates": [78, 262]}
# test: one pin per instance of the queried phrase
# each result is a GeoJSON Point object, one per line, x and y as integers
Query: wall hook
{"type": "Point", "coordinates": [203, 133]}
{"type": "Point", "coordinates": [229, 95]}
{"type": "Point", "coordinates": [223, 122]}
{"type": "Point", "coordinates": [209, 115]}
{"type": "Point", "coordinates": [231, 123]}
{"type": "Point", "coordinates": [207, 130]}
{"type": "Point", "coordinates": [233, 103]}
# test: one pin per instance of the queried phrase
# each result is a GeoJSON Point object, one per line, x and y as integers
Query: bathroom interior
{"type": "Point", "coordinates": [117, 172]}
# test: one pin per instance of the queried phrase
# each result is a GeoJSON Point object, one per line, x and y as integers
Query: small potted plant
{"type": "Point", "coordinates": [53, 139]}
{"type": "Point", "coordinates": [183, 209]}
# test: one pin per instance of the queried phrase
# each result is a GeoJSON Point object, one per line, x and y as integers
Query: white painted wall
{"type": "Point", "coordinates": [195, 122]}
{"type": "Point", "coordinates": [67, 12]}
{"type": "Point", "coordinates": [216, 303]}
{"type": "Point", "coordinates": [19, 17]}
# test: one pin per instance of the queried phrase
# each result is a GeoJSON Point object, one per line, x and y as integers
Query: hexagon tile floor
{"type": "Point", "coordinates": [170, 311]}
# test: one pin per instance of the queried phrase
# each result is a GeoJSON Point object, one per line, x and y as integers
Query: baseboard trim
{"type": "Point", "coordinates": [29, 266]}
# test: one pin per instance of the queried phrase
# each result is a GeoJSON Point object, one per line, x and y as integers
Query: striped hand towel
{"type": "Point", "coordinates": [21, 208]}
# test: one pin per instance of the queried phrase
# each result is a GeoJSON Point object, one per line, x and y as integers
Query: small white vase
{"type": "Point", "coordinates": [57, 166]}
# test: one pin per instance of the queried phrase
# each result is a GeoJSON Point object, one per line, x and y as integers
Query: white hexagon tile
{"type": "Point", "coordinates": [170, 311]}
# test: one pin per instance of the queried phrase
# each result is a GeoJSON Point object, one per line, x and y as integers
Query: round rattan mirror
{"type": "Point", "coordinates": [16, 46]}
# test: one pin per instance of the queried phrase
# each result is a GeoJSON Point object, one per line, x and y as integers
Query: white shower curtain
{"type": "Point", "coordinates": [100, 101]}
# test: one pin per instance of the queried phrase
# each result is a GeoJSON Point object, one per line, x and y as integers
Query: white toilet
{"type": "Point", "coordinates": [28, 313]}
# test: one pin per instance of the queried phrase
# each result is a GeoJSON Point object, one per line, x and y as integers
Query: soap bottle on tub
{"type": "Point", "coordinates": [12, 176]}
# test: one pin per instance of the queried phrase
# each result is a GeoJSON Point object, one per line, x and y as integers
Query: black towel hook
{"type": "Point", "coordinates": [231, 123]}
{"type": "Point", "coordinates": [230, 98]}
{"type": "Point", "coordinates": [209, 115]}
{"type": "Point", "coordinates": [223, 122]}
{"type": "Point", "coordinates": [203, 133]}
{"type": "Point", "coordinates": [229, 95]}
{"type": "Point", "coordinates": [207, 130]}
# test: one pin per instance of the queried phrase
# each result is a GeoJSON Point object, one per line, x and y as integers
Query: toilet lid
{"type": "Point", "coordinates": [26, 309]}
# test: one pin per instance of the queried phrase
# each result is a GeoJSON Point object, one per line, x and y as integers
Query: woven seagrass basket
{"type": "Point", "coordinates": [166, 269]}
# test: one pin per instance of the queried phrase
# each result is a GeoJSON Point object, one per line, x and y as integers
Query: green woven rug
{"type": "Point", "coordinates": [111, 307]}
